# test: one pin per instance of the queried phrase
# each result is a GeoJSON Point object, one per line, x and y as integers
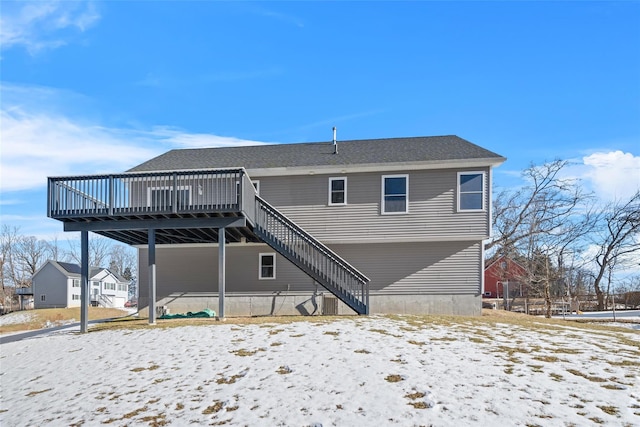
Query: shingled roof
{"type": "Point", "coordinates": [431, 149]}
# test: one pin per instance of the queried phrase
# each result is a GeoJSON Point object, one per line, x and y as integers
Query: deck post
{"type": "Point", "coordinates": [84, 281]}
{"type": "Point", "coordinates": [221, 271]}
{"type": "Point", "coordinates": [152, 276]}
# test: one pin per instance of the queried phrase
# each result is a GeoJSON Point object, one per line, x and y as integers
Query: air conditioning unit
{"type": "Point", "coordinates": [329, 305]}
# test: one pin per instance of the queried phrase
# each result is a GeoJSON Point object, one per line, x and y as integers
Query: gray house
{"type": "Point", "coordinates": [372, 226]}
{"type": "Point", "coordinates": [57, 285]}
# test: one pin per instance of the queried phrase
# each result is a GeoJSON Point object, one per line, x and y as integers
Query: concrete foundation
{"type": "Point", "coordinates": [295, 304]}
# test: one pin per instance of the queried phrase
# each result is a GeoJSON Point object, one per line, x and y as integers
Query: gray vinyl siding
{"type": "Point", "coordinates": [432, 216]}
{"type": "Point", "coordinates": [52, 283]}
{"type": "Point", "coordinates": [449, 268]}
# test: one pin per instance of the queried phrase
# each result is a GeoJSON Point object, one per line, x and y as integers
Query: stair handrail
{"type": "Point", "coordinates": [308, 238]}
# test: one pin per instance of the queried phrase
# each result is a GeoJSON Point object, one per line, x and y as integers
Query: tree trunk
{"type": "Point", "coordinates": [547, 298]}
{"type": "Point", "coordinates": [599, 296]}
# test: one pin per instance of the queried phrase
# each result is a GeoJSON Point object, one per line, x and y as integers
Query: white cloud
{"type": "Point", "coordinates": [37, 145]}
{"type": "Point", "coordinates": [180, 139]}
{"type": "Point", "coordinates": [40, 139]}
{"type": "Point", "coordinates": [41, 25]}
{"type": "Point", "coordinates": [614, 175]}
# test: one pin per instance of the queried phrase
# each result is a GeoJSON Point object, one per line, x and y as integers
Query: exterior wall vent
{"type": "Point", "coordinates": [329, 305]}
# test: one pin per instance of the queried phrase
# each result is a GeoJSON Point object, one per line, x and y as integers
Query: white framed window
{"type": "Point", "coordinates": [395, 194]}
{"type": "Point", "coordinates": [256, 185]}
{"type": "Point", "coordinates": [122, 287]}
{"type": "Point", "coordinates": [76, 283]}
{"type": "Point", "coordinates": [160, 197]}
{"type": "Point", "coordinates": [471, 191]}
{"type": "Point", "coordinates": [95, 284]}
{"type": "Point", "coordinates": [338, 191]}
{"type": "Point", "coordinates": [267, 267]}
{"type": "Point", "coordinates": [75, 297]}
{"type": "Point", "coordinates": [110, 286]}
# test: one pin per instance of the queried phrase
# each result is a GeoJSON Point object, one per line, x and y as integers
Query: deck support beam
{"type": "Point", "coordinates": [221, 271]}
{"type": "Point", "coordinates": [152, 276]}
{"type": "Point", "coordinates": [84, 281]}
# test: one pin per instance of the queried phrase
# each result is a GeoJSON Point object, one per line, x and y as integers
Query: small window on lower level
{"type": "Point", "coordinates": [267, 268]}
{"type": "Point", "coordinates": [43, 297]}
{"type": "Point", "coordinates": [75, 297]}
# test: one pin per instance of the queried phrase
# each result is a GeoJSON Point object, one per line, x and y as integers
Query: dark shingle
{"type": "Point", "coordinates": [75, 268]}
{"type": "Point", "coordinates": [356, 152]}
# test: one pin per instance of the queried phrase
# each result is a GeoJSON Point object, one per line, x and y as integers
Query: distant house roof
{"type": "Point", "coordinates": [74, 269]}
{"type": "Point", "coordinates": [396, 151]}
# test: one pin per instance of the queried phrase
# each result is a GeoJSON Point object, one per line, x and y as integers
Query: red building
{"type": "Point", "coordinates": [502, 275]}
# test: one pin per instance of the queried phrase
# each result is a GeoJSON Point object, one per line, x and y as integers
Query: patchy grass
{"type": "Point", "coordinates": [283, 370]}
{"type": "Point", "coordinates": [35, 393]}
{"type": "Point", "coordinates": [556, 377]}
{"type": "Point", "coordinates": [59, 316]}
{"type": "Point", "coordinates": [216, 407]}
{"type": "Point", "coordinates": [150, 368]}
{"type": "Point", "coordinates": [586, 376]}
{"type": "Point", "coordinates": [244, 352]}
{"type": "Point", "coordinates": [394, 378]}
{"type": "Point", "coordinates": [416, 395]}
{"type": "Point", "coordinates": [550, 359]}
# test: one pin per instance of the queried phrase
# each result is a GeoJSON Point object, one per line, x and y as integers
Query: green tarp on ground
{"type": "Point", "coordinates": [204, 313]}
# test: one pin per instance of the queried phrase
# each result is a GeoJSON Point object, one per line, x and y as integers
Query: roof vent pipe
{"type": "Point", "coordinates": [335, 143]}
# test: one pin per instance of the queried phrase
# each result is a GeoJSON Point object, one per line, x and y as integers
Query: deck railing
{"type": "Point", "coordinates": [189, 192]}
{"type": "Point", "coordinates": [312, 257]}
{"type": "Point", "coordinates": [147, 193]}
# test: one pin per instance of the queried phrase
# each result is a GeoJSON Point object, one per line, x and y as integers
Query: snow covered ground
{"type": "Point", "coordinates": [15, 318]}
{"type": "Point", "coordinates": [363, 371]}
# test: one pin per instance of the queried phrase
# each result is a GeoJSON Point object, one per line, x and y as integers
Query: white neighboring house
{"type": "Point", "coordinates": [57, 284]}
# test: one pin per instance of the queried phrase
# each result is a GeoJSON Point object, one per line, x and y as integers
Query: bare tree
{"type": "Point", "coordinates": [618, 237]}
{"type": "Point", "coordinates": [9, 238]}
{"type": "Point", "coordinates": [121, 259]}
{"type": "Point", "coordinates": [99, 249]}
{"type": "Point", "coordinates": [540, 223]}
{"type": "Point", "coordinates": [30, 254]}
{"type": "Point", "coordinates": [540, 207]}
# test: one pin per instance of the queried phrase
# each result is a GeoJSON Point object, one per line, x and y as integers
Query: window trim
{"type": "Point", "coordinates": [406, 195]}
{"type": "Point", "coordinates": [260, 255]}
{"type": "Point", "coordinates": [482, 191]}
{"type": "Point", "coordinates": [337, 178]}
{"type": "Point", "coordinates": [256, 185]}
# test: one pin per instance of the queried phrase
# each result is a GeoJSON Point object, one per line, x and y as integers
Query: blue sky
{"type": "Point", "coordinates": [93, 87]}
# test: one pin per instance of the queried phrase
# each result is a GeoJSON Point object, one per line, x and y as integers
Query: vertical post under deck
{"type": "Point", "coordinates": [221, 271]}
{"type": "Point", "coordinates": [84, 281]}
{"type": "Point", "coordinates": [152, 276]}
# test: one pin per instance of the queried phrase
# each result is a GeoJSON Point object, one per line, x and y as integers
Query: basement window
{"type": "Point", "coordinates": [267, 267]}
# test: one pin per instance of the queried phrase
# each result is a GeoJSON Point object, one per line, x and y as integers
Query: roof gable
{"type": "Point", "coordinates": [71, 269]}
{"type": "Point", "coordinates": [433, 149]}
